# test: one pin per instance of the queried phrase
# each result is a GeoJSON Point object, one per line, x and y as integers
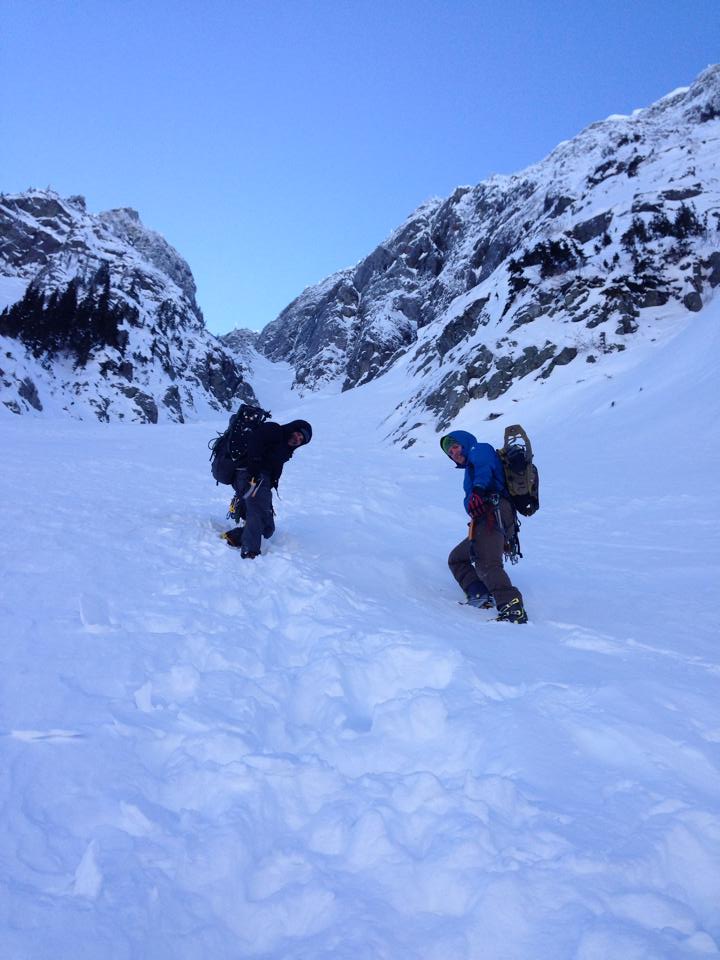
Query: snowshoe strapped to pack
{"type": "Point", "coordinates": [521, 474]}
{"type": "Point", "coordinates": [229, 449]}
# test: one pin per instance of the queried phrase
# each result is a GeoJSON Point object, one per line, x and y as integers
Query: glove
{"type": "Point", "coordinates": [476, 506]}
{"type": "Point", "coordinates": [481, 504]}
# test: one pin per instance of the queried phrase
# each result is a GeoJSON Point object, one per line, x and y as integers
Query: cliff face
{"type": "Point", "coordinates": [158, 362]}
{"type": "Point", "coordinates": [565, 262]}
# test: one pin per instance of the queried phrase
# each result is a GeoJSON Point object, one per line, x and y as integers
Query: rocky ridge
{"type": "Point", "coordinates": [164, 364]}
{"type": "Point", "coordinates": [572, 259]}
{"type": "Point", "coordinates": [242, 343]}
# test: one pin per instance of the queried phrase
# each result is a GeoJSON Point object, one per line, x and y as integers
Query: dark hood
{"type": "Point", "coordinates": [301, 426]}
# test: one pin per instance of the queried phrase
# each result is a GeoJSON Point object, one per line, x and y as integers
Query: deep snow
{"type": "Point", "coordinates": [319, 754]}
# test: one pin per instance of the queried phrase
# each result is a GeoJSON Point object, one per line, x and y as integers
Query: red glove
{"type": "Point", "coordinates": [476, 506]}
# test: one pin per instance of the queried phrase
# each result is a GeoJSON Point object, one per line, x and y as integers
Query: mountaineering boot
{"type": "Point", "coordinates": [482, 601]}
{"type": "Point", "coordinates": [513, 612]}
{"type": "Point", "coordinates": [233, 537]}
{"type": "Point", "coordinates": [478, 596]}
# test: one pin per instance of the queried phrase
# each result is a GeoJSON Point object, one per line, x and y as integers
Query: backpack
{"type": "Point", "coordinates": [228, 450]}
{"type": "Point", "coordinates": [521, 474]}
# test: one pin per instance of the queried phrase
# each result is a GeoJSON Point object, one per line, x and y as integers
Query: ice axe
{"type": "Point", "coordinates": [254, 487]}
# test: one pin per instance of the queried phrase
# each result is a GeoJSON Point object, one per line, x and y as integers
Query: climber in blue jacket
{"type": "Point", "coordinates": [477, 561]}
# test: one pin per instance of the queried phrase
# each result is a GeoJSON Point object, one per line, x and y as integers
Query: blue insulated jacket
{"type": "Point", "coordinates": [483, 469]}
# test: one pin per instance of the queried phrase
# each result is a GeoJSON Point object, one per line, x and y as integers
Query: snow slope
{"type": "Point", "coordinates": [319, 754]}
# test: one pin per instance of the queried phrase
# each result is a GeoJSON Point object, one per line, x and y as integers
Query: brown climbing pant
{"type": "Point", "coordinates": [483, 557]}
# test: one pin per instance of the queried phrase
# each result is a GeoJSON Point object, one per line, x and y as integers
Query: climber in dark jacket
{"type": "Point", "coordinates": [477, 562]}
{"type": "Point", "coordinates": [269, 449]}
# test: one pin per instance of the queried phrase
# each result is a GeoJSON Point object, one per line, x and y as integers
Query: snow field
{"type": "Point", "coordinates": [319, 754]}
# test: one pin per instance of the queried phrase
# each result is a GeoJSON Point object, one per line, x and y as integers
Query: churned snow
{"type": "Point", "coordinates": [319, 754]}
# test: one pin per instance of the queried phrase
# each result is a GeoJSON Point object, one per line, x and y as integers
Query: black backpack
{"type": "Point", "coordinates": [521, 474]}
{"type": "Point", "coordinates": [228, 451]}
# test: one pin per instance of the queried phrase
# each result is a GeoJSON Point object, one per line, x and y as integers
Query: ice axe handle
{"type": "Point", "coordinates": [254, 487]}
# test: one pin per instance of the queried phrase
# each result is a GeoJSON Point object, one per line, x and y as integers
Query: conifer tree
{"type": "Point", "coordinates": [66, 315]}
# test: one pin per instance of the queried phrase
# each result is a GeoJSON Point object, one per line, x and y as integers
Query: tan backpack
{"type": "Point", "coordinates": [521, 474]}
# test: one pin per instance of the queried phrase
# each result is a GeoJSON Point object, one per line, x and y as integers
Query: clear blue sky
{"type": "Point", "coordinates": [273, 143]}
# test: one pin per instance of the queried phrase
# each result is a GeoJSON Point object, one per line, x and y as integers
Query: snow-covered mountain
{"type": "Point", "coordinates": [241, 340]}
{"type": "Point", "coordinates": [157, 362]}
{"type": "Point", "coordinates": [242, 345]}
{"type": "Point", "coordinates": [610, 241]}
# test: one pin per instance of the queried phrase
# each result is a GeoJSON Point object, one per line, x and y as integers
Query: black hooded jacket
{"type": "Point", "coordinates": [268, 450]}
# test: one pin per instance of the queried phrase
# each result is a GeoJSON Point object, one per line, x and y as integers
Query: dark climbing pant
{"type": "Point", "coordinates": [256, 510]}
{"type": "Point", "coordinates": [482, 557]}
